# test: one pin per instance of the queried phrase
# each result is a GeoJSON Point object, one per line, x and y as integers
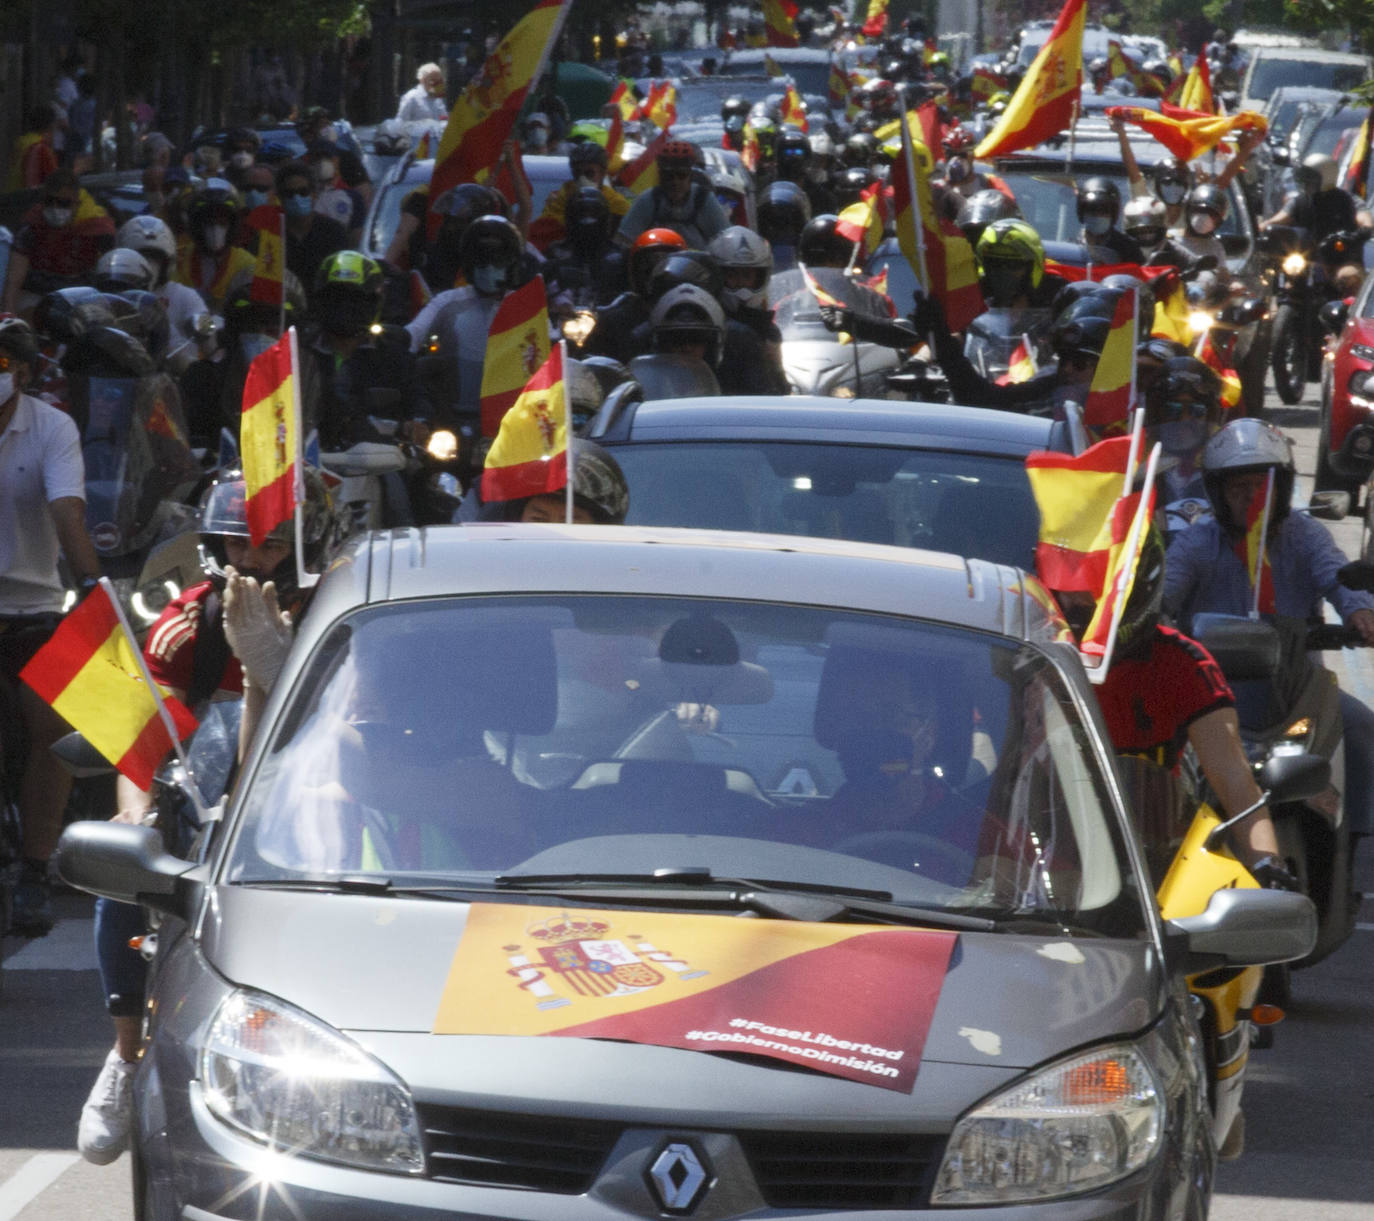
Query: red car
{"type": "Point", "coordinates": [1345, 444]}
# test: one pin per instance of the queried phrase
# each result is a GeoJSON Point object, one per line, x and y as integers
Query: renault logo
{"type": "Point", "coordinates": [679, 1177]}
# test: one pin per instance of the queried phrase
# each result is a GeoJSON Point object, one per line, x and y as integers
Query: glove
{"type": "Point", "coordinates": [1272, 874]}
{"type": "Point", "coordinates": [258, 631]}
{"type": "Point", "coordinates": [834, 318]}
{"type": "Point", "coordinates": [926, 314]}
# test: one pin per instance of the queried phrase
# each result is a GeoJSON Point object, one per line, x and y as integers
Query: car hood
{"type": "Point", "coordinates": [377, 967]}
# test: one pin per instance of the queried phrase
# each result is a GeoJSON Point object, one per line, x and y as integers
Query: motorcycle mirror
{"type": "Point", "coordinates": [1329, 505]}
{"type": "Point", "coordinates": [1294, 777]}
{"type": "Point", "coordinates": [80, 758]}
{"type": "Point", "coordinates": [1333, 317]}
{"type": "Point", "coordinates": [1243, 648]}
{"type": "Point", "coordinates": [1358, 574]}
{"type": "Point", "coordinates": [1235, 244]}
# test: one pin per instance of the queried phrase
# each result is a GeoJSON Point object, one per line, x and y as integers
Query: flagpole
{"type": "Point", "coordinates": [281, 254]}
{"type": "Point", "coordinates": [304, 579]}
{"type": "Point", "coordinates": [192, 788]}
{"type": "Point", "coordinates": [569, 458]}
{"type": "Point", "coordinates": [1135, 353]}
{"type": "Point", "coordinates": [1137, 442]}
{"type": "Point", "coordinates": [1073, 134]}
{"type": "Point", "coordinates": [918, 224]}
{"type": "Point", "coordinates": [1098, 674]}
{"type": "Point", "coordinates": [1257, 572]}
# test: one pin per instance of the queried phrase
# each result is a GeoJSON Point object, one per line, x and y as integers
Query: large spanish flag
{"type": "Point", "coordinates": [1076, 494]}
{"type": "Point", "coordinates": [268, 437]}
{"type": "Point", "coordinates": [934, 247]}
{"type": "Point", "coordinates": [1046, 99]}
{"type": "Point", "coordinates": [517, 347]}
{"type": "Point", "coordinates": [1107, 408]}
{"type": "Point", "coordinates": [530, 454]}
{"type": "Point", "coordinates": [483, 118]}
{"type": "Point", "coordinates": [1122, 557]}
{"type": "Point", "coordinates": [91, 675]}
{"type": "Point", "coordinates": [779, 17]}
{"type": "Point", "coordinates": [1186, 137]}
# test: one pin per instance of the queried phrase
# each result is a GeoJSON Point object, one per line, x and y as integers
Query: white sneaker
{"type": "Point", "coordinates": [103, 1133]}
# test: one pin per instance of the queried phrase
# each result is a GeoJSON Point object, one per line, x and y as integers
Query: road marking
{"type": "Point", "coordinates": [69, 947]}
{"type": "Point", "coordinates": [35, 1176]}
{"type": "Point", "coordinates": [1365, 928]}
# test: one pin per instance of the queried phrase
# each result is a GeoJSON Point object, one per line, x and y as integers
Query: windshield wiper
{"type": "Point", "coordinates": [814, 902]}
{"type": "Point", "coordinates": [366, 884]}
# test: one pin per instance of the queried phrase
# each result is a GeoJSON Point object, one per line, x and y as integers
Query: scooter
{"type": "Point", "coordinates": [816, 359]}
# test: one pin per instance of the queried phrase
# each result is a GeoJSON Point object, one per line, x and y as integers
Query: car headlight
{"type": "Point", "coordinates": [1294, 265]}
{"type": "Point", "coordinates": [1362, 351]}
{"type": "Point", "coordinates": [300, 1087]}
{"type": "Point", "coordinates": [1075, 1126]}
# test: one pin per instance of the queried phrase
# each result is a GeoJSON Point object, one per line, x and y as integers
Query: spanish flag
{"type": "Point", "coordinates": [530, 454]}
{"type": "Point", "coordinates": [1021, 367]}
{"type": "Point", "coordinates": [483, 118]}
{"type": "Point", "coordinates": [268, 286]}
{"type": "Point", "coordinates": [626, 103]}
{"type": "Point", "coordinates": [793, 108]}
{"type": "Point", "coordinates": [1107, 408]}
{"type": "Point", "coordinates": [837, 88]}
{"type": "Point", "coordinates": [1356, 176]}
{"type": "Point", "coordinates": [985, 83]}
{"type": "Point", "coordinates": [269, 436]}
{"type": "Point", "coordinates": [1189, 137]}
{"type": "Point", "coordinates": [660, 107]}
{"type": "Point", "coordinates": [862, 222]}
{"type": "Point", "coordinates": [517, 347]}
{"type": "Point", "coordinates": [641, 174]}
{"type": "Point", "coordinates": [1120, 64]}
{"type": "Point", "coordinates": [1172, 312]}
{"type": "Point", "coordinates": [875, 22]}
{"type": "Point", "coordinates": [770, 65]}
{"type": "Point", "coordinates": [1075, 495]}
{"type": "Point", "coordinates": [1196, 91]}
{"type": "Point", "coordinates": [1231, 390]}
{"type": "Point", "coordinates": [91, 674]}
{"type": "Point", "coordinates": [1045, 102]}
{"type": "Point", "coordinates": [1122, 557]}
{"type": "Point", "coordinates": [934, 247]}
{"type": "Point", "coordinates": [1253, 549]}
{"type": "Point", "coordinates": [778, 19]}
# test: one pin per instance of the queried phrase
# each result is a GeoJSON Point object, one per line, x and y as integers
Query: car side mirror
{"type": "Point", "coordinates": [125, 863]}
{"type": "Point", "coordinates": [1243, 648]}
{"type": "Point", "coordinates": [1329, 505]}
{"type": "Point", "coordinates": [1247, 928]}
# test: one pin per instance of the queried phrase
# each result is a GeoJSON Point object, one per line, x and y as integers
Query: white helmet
{"type": "Point", "coordinates": [737, 246]}
{"type": "Point", "coordinates": [153, 239]}
{"type": "Point", "coordinates": [1145, 219]}
{"type": "Point", "coordinates": [691, 313]}
{"type": "Point", "coordinates": [120, 269]}
{"type": "Point", "coordinates": [1324, 166]}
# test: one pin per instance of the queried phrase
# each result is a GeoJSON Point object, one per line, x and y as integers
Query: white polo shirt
{"type": "Point", "coordinates": [40, 461]}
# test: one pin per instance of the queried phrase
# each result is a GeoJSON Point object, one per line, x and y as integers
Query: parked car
{"type": "Point", "coordinates": [553, 885]}
{"type": "Point", "coordinates": [1345, 442]}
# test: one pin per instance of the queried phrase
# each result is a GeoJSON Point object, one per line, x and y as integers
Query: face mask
{"type": "Point", "coordinates": [1202, 224]}
{"type": "Point", "coordinates": [1003, 284]}
{"type": "Point", "coordinates": [1181, 437]}
{"type": "Point", "coordinates": [324, 171]}
{"type": "Point", "coordinates": [156, 200]}
{"type": "Point", "coordinates": [1096, 226]}
{"type": "Point", "coordinates": [215, 237]}
{"type": "Point", "coordinates": [957, 169]}
{"type": "Point", "coordinates": [6, 387]}
{"type": "Point", "coordinates": [57, 218]}
{"type": "Point", "coordinates": [585, 180]}
{"type": "Point", "coordinates": [253, 198]}
{"type": "Point", "coordinates": [298, 205]}
{"type": "Point", "coordinates": [537, 138]}
{"type": "Point", "coordinates": [735, 299]}
{"type": "Point", "coordinates": [488, 280]}
{"type": "Point", "coordinates": [1172, 192]}
{"type": "Point", "coordinates": [241, 160]}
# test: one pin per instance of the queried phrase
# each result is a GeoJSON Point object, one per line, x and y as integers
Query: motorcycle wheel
{"type": "Point", "coordinates": [1286, 355]}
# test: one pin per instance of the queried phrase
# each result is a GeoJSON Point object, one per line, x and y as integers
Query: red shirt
{"type": "Point", "coordinates": [1149, 701]}
{"type": "Point", "coordinates": [171, 645]}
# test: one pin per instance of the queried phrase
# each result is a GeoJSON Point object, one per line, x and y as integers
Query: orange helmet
{"type": "Point", "coordinates": [649, 247]}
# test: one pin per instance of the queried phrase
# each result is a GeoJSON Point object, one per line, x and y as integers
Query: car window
{"type": "Point", "coordinates": [1329, 131]}
{"type": "Point", "coordinates": [975, 505]}
{"type": "Point", "coordinates": [1270, 73]}
{"type": "Point", "coordinates": [578, 734]}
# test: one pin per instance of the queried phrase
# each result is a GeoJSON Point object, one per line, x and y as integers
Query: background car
{"type": "Point", "coordinates": [1345, 444]}
{"type": "Point", "coordinates": [1271, 67]}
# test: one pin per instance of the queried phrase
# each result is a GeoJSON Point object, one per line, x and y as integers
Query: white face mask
{"type": "Point", "coordinates": [215, 238]}
{"type": "Point", "coordinates": [1202, 224]}
{"type": "Point", "coordinates": [6, 387]}
{"type": "Point", "coordinates": [324, 171]}
{"type": "Point", "coordinates": [241, 160]}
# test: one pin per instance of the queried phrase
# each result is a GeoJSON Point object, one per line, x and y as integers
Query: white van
{"type": "Point", "coordinates": [1272, 67]}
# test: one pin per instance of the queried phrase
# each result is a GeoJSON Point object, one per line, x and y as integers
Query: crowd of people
{"type": "Point", "coordinates": [681, 271]}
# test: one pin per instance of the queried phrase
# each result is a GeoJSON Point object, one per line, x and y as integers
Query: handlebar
{"type": "Point", "coordinates": [1334, 636]}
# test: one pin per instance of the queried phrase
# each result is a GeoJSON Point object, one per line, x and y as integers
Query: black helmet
{"type": "Point", "coordinates": [469, 200]}
{"type": "Point", "coordinates": [18, 340]}
{"type": "Point", "coordinates": [1104, 300]}
{"type": "Point", "coordinates": [215, 204]}
{"type": "Point", "coordinates": [981, 209]}
{"type": "Point", "coordinates": [1208, 200]}
{"type": "Point", "coordinates": [1146, 599]}
{"type": "Point", "coordinates": [491, 242]}
{"type": "Point", "coordinates": [734, 107]}
{"type": "Point", "coordinates": [1098, 196]}
{"type": "Point", "coordinates": [67, 313]}
{"type": "Point", "coordinates": [783, 213]}
{"type": "Point", "coordinates": [793, 152]}
{"type": "Point", "coordinates": [1082, 328]}
{"type": "Point", "coordinates": [860, 149]}
{"type": "Point", "coordinates": [587, 218]}
{"type": "Point", "coordinates": [1171, 181]}
{"type": "Point", "coordinates": [686, 267]}
{"type": "Point", "coordinates": [586, 152]}
{"type": "Point", "coordinates": [822, 245]}
{"type": "Point", "coordinates": [348, 293]}
{"type": "Point", "coordinates": [851, 183]}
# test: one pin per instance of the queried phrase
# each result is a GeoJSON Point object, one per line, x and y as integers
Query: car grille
{"type": "Point", "coordinates": [842, 1170]}
{"type": "Point", "coordinates": [535, 1152]}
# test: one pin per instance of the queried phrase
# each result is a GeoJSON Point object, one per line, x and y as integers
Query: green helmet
{"type": "Point", "coordinates": [348, 293]}
{"type": "Point", "coordinates": [349, 269]}
{"type": "Point", "coordinates": [1012, 240]}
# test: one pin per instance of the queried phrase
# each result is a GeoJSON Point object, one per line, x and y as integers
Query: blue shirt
{"type": "Point", "coordinates": [1202, 572]}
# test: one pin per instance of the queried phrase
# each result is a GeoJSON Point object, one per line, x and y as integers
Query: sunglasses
{"type": "Point", "coordinates": [1175, 410]}
{"type": "Point", "coordinates": [675, 174]}
{"type": "Point", "coordinates": [59, 201]}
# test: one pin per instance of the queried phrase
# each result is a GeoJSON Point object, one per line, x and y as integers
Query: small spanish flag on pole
{"type": "Point", "coordinates": [530, 454]}
{"type": "Point", "coordinates": [517, 347]}
{"type": "Point", "coordinates": [95, 677]}
{"type": "Point", "coordinates": [1253, 549]}
{"type": "Point", "coordinates": [1111, 396]}
{"type": "Point", "coordinates": [779, 23]}
{"type": "Point", "coordinates": [269, 437]}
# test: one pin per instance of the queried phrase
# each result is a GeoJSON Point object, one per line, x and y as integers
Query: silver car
{"type": "Point", "coordinates": [605, 873]}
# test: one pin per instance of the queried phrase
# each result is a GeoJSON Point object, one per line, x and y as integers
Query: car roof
{"type": "Point", "coordinates": [513, 558]}
{"type": "Point", "coordinates": [1319, 55]}
{"type": "Point", "coordinates": [811, 418]}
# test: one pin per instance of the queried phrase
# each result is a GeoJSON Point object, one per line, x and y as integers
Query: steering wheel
{"type": "Point", "coordinates": [909, 849]}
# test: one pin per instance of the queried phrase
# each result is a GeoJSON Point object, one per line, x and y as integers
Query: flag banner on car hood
{"type": "Point", "coordinates": [853, 1000]}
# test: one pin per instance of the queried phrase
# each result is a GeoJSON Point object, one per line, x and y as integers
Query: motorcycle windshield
{"type": "Point", "coordinates": [994, 336]}
{"type": "Point", "coordinates": [136, 454]}
{"type": "Point", "coordinates": [798, 313]}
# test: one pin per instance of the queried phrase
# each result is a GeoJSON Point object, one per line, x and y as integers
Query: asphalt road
{"type": "Point", "coordinates": [1309, 1100]}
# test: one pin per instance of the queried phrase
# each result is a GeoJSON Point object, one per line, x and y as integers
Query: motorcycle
{"type": "Point", "coordinates": [817, 360]}
{"type": "Point", "coordinates": [996, 335]}
{"type": "Point", "coordinates": [1303, 284]}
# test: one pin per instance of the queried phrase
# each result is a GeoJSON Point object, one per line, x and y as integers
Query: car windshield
{"type": "Point", "coordinates": [1332, 130]}
{"type": "Point", "coordinates": [699, 99]}
{"type": "Point", "coordinates": [1271, 72]}
{"type": "Point", "coordinates": [809, 75]}
{"type": "Point", "coordinates": [458, 740]}
{"type": "Point", "coordinates": [975, 505]}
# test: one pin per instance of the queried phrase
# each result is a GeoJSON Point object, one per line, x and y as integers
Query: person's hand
{"type": "Point", "coordinates": [258, 630]}
{"type": "Point", "coordinates": [1272, 874]}
{"type": "Point", "coordinates": [1363, 622]}
{"type": "Point", "coordinates": [136, 818]}
{"type": "Point", "coordinates": [834, 318]}
{"type": "Point", "coordinates": [926, 314]}
{"type": "Point", "coordinates": [1117, 124]}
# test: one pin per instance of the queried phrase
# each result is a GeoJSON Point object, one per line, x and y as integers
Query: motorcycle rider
{"type": "Point", "coordinates": [1204, 212]}
{"type": "Point", "coordinates": [151, 238]}
{"type": "Point", "coordinates": [1206, 572]}
{"type": "Point", "coordinates": [783, 212]}
{"type": "Point", "coordinates": [1182, 412]}
{"type": "Point", "coordinates": [588, 164]}
{"type": "Point", "coordinates": [1146, 220]}
{"type": "Point", "coordinates": [42, 510]}
{"type": "Point", "coordinates": [600, 494]}
{"type": "Point", "coordinates": [680, 201]}
{"type": "Point", "coordinates": [586, 264]}
{"type": "Point", "coordinates": [1099, 209]}
{"type": "Point", "coordinates": [795, 162]}
{"type": "Point", "coordinates": [311, 237]}
{"type": "Point", "coordinates": [1011, 273]}
{"type": "Point", "coordinates": [618, 322]}
{"type": "Point", "coordinates": [1316, 203]}
{"type": "Point", "coordinates": [58, 242]}
{"type": "Point", "coordinates": [207, 258]}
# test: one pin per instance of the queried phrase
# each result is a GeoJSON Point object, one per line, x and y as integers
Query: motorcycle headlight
{"type": "Point", "coordinates": [1073, 1127]}
{"type": "Point", "coordinates": [288, 1080]}
{"type": "Point", "coordinates": [577, 329]}
{"type": "Point", "coordinates": [442, 445]}
{"type": "Point", "coordinates": [149, 600]}
{"type": "Point", "coordinates": [1200, 321]}
{"type": "Point", "coordinates": [1294, 264]}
